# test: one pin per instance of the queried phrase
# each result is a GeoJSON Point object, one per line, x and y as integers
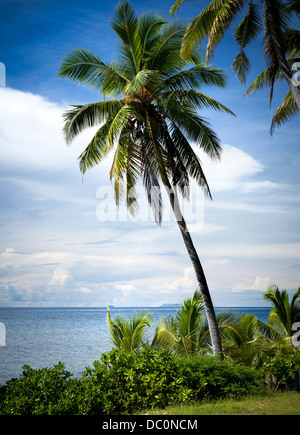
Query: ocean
{"type": "Point", "coordinates": [41, 337]}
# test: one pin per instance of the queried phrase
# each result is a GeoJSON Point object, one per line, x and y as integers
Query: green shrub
{"type": "Point", "coordinates": [41, 391]}
{"type": "Point", "coordinates": [279, 370]}
{"type": "Point", "coordinates": [124, 382]}
{"type": "Point", "coordinates": [209, 378]}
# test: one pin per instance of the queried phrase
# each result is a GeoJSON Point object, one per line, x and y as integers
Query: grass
{"type": "Point", "coordinates": [287, 403]}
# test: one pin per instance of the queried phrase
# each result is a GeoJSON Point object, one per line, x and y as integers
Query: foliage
{"type": "Point", "coordinates": [279, 370]}
{"type": "Point", "coordinates": [129, 334]}
{"type": "Point", "coordinates": [149, 119]}
{"type": "Point", "coordinates": [284, 312]}
{"type": "Point", "coordinates": [40, 391]}
{"type": "Point", "coordinates": [180, 332]}
{"type": "Point", "coordinates": [208, 378]}
{"type": "Point", "coordinates": [151, 112]}
{"type": "Point", "coordinates": [123, 382]}
{"type": "Point", "coordinates": [281, 45]}
{"type": "Point", "coordinates": [245, 339]}
{"type": "Point", "coordinates": [248, 341]}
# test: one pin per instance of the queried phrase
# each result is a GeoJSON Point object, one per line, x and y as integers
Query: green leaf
{"type": "Point", "coordinates": [285, 112]}
{"type": "Point", "coordinates": [241, 66]}
{"type": "Point", "coordinates": [249, 27]}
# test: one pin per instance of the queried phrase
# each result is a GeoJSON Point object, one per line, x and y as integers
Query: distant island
{"type": "Point", "coordinates": [170, 306]}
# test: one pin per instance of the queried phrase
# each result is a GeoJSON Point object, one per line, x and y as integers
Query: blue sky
{"type": "Point", "coordinates": [62, 241]}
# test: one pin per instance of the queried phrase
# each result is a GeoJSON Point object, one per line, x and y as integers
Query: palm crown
{"type": "Point", "coordinates": [281, 42]}
{"type": "Point", "coordinates": [151, 111]}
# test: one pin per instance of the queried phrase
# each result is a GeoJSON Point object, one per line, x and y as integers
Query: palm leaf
{"type": "Point", "coordinates": [226, 13]}
{"type": "Point", "coordinates": [96, 149]}
{"type": "Point", "coordinates": [249, 27]}
{"type": "Point", "coordinates": [88, 115]}
{"type": "Point", "coordinates": [125, 23]}
{"type": "Point", "coordinates": [196, 129]}
{"type": "Point", "coordinates": [241, 66]}
{"type": "Point", "coordinates": [149, 27]}
{"type": "Point", "coordinates": [82, 66]}
{"type": "Point", "coordinates": [195, 77]}
{"type": "Point", "coordinates": [285, 112]}
{"type": "Point", "coordinates": [194, 99]}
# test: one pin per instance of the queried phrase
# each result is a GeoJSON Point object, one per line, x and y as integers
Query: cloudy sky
{"type": "Point", "coordinates": [62, 240]}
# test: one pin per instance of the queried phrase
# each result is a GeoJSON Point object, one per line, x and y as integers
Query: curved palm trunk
{"type": "Point", "coordinates": [203, 287]}
{"type": "Point", "coordinates": [274, 26]}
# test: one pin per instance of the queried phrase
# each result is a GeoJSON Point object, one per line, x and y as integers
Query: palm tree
{"type": "Point", "coordinates": [129, 334]}
{"type": "Point", "coordinates": [273, 73]}
{"type": "Point", "coordinates": [284, 312]}
{"type": "Point", "coordinates": [271, 15]}
{"type": "Point", "coordinates": [187, 332]}
{"type": "Point", "coordinates": [248, 340]}
{"type": "Point", "coordinates": [179, 332]}
{"type": "Point", "coordinates": [149, 118]}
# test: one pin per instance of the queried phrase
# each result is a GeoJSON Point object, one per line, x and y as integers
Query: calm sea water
{"type": "Point", "coordinates": [41, 337]}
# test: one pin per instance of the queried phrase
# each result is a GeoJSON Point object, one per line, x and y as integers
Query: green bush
{"type": "Point", "coordinates": [279, 370]}
{"type": "Point", "coordinates": [209, 378]}
{"type": "Point", "coordinates": [123, 382]}
{"type": "Point", "coordinates": [41, 391]}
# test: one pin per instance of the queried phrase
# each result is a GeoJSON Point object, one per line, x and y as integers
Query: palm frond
{"type": "Point", "coordinates": [144, 80]}
{"type": "Point", "coordinates": [292, 7]}
{"type": "Point", "coordinates": [198, 29]}
{"type": "Point", "coordinates": [196, 77]}
{"type": "Point", "coordinates": [246, 31]}
{"type": "Point", "coordinates": [285, 112]}
{"type": "Point", "coordinates": [119, 122]}
{"type": "Point", "coordinates": [125, 23]}
{"type": "Point", "coordinates": [274, 17]}
{"type": "Point", "coordinates": [82, 66]}
{"type": "Point", "coordinates": [222, 22]}
{"type": "Point", "coordinates": [96, 149]}
{"type": "Point", "coordinates": [190, 160]}
{"type": "Point", "coordinates": [249, 27]}
{"type": "Point", "coordinates": [149, 29]}
{"type": "Point", "coordinates": [128, 334]}
{"type": "Point", "coordinates": [88, 115]}
{"type": "Point", "coordinates": [241, 66]}
{"type": "Point", "coordinates": [165, 54]}
{"type": "Point", "coordinates": [265, 79]}
{"type": "Point", "coordinates": [196, 129]}
{"type": "Point", "coordinates": [194, 99]}
{"type": "Point", "coordinates": [176, 6]}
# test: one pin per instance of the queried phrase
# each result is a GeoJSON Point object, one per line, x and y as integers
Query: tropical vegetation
{"type": "Point", "coordinates": [176, 367]}
{"type": "Point", "coordinates": [281, 46]}
{"type": "Point", "coordinates": [148, 117]}
{"type": "Point", "coordinates": [125, 382]}
{"type": "Point", "coordinates": [245, 339]}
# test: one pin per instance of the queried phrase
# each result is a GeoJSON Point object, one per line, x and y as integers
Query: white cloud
{"type": "Point", "coordinates": [97, 263]}
{"type": "Point", "coordinates": [61, 277]}
{"type": "Point", "coordinates": [261, 283]}
{"type": "Point", "coordinates": [188, 280]}
{"type": "Point", "coordinates": [234, 171]}
{"type": "Point", "coordinates": [31, 133]}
